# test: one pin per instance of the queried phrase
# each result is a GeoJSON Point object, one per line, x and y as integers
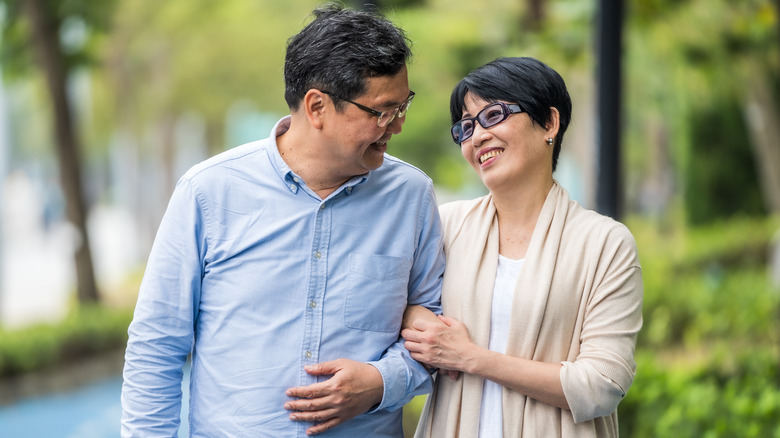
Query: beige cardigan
{"type": "Point", "coordinates": [577, 302]}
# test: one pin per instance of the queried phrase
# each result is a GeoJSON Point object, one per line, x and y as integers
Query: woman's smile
{"type": "Point", "coordinates": [488, 154]}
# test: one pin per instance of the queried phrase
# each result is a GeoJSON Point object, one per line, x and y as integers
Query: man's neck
{"type": "Point", "coordinates": [305, 162]}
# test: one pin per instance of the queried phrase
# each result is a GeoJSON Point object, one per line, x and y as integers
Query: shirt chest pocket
{"type": "Point", "coordinates": [376, 292]}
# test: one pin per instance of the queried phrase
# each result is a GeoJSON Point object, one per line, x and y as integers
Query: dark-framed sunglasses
{"type": "Point", "coordinates": [489, 116]}
{"type": "Point", "coordinates": [384, 118]}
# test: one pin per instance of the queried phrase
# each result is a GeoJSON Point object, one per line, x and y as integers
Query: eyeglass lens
{"type": "Point", "coordinates": [387, 117]}
{"type": "Point", "coordinates": [488, 117]}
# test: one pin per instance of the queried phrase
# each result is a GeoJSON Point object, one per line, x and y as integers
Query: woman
{"type": "Point", "coordinates": [542, 297]}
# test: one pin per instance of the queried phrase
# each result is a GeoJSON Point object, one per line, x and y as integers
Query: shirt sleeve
{"type": "Point", "coordinates": [404, 378]}
{"type": "Point", "coordinates": [161, 333]}
{"type": "Point", "coordinates": [599, 378]}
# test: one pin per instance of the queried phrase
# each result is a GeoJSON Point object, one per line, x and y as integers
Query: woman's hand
{"type": "Point", "coordinates": [419, 313]}
{"type": "Point", "coordinates": [444, 344]}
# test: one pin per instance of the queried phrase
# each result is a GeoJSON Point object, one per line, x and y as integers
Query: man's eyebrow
{"type": "Point", "coordinates": [392, 104]}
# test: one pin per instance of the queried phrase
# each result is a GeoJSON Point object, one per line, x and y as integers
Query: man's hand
{"type": "Point", "coordinates": [352, 390]}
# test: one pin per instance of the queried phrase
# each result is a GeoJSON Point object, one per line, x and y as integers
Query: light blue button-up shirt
{"type": "Point", "coordinates": [256, 276]}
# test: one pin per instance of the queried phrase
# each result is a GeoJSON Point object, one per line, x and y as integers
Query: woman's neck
{"type": "Point", "coordinates": [518, 211]}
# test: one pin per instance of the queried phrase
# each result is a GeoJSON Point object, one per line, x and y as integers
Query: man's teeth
{"type": "Point", "coordinates": [489, 155]}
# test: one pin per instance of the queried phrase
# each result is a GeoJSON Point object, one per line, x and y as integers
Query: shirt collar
{"type": "Point", "coordinates": [290, 179]}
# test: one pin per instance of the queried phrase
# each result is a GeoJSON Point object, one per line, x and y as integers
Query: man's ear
{"type": "Point", "coordinates": [314, 106]}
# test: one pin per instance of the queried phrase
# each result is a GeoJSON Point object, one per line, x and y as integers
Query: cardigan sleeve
{"type": "Point", "coordinates": [600, 376]}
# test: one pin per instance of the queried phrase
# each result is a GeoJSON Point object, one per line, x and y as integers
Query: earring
{"type": "Point", "coordinates": [550, 141]}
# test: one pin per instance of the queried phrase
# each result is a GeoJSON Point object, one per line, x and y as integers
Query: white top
{"type": "Point", "coordinates": [490, 418]}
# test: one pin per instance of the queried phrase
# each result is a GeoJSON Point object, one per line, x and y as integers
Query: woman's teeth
{"type": "Point", "coordinates": [488, 155]}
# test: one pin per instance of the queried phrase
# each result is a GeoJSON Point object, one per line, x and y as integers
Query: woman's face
{"type": "Point", "coordinates": [509, 153]}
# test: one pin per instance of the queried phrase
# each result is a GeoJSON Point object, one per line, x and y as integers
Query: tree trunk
{"type": "Point", "coordinates": [46, 46]}
{"type": "Point", "coordinates": [534, 18]}
{"type": "Point", "coordinates": [762, 115]}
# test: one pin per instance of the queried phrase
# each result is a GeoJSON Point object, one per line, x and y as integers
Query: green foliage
{"type": "Point", "coordinates": [706, 284]}
{"type": "Point", "coordinates": [79, 22]}
{"type": "Point", "coordinates": [389, 4]}
{"type": "Point", "coordinates": [15, 58]}
{"type": "Point", "coordinates": [411, 414]}
{"type": "Point", "coordinates": [687, 67]}
{"type": "Point", "coordinates": [722, 166]}
{"type": "Point", "coordinates": [708, 356]}
{"type": "Point", "coordinates": [741, 398]}
{"type": "Point", "coordinates": [87, 330]}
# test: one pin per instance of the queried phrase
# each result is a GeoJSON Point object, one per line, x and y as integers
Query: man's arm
{"type": "Point", "coordinates": [161, 334]}
{"type": "Point", "coordinates": [404, 378]}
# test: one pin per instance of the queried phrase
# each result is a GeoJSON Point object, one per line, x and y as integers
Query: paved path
{"type": "Point", "coordinates": [89, 411]}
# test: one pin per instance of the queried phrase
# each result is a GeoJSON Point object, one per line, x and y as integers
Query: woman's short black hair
{"type": "Point", "coordinates": [339, 49]}
{"type": "Point", "coordinates": [525, 81]}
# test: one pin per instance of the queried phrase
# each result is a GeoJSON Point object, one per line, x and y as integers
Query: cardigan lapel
{"type": "Point", "coordinates": [531, 297]}
{"type": "Point", "coordinates": [467, 296]}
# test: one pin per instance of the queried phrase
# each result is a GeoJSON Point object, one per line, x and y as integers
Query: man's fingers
{"type": "Point", "coordinates": [301, 405]}
{"type": "Point", "coordinates": [305, 405]}
{"type": "Point", "coordinates": [318, 416]}
{"type": "Point", "coordinates": [322, 427]}
{"type": "Point", "coordinates": [315, 416]}
{"type": "Point", "coordinates": [323, 368]}
{"type": "Point", "coordinates": [452, 374]}
{"type": "Point", "coordinates": [315, 390]}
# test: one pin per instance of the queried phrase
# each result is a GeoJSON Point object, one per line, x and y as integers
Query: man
{"type": "Point", "coordinates": [284, 265]}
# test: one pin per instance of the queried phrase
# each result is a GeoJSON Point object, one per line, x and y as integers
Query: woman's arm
{"type": "Point", "coordinates": [446, 344]}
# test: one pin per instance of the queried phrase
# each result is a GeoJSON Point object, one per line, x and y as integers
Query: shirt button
{"type": "Point", "coordinates": [322, 206]}
{"type": "Point", "coordinates": [313, 304]}
{"type": "Point", "coordinates": [296, 179]}
{"type": "Point", "coordinates": [292, 186]}
{"type": "Point", "coordinates": [317, 254]}
{"type": "Point", "coordinates": [308, 355]}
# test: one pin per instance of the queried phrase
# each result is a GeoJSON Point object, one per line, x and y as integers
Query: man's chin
{"type": "Point", "coordinates": [379, 147]}
{"type": "Point", "coordinates": [374, 162]}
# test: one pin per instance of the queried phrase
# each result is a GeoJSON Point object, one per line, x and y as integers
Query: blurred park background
{"type": "Point", "coordinates": [105, 103]}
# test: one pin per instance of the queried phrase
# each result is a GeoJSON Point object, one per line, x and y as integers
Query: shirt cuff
{"type": "Point", "coordinates": [392, 393]}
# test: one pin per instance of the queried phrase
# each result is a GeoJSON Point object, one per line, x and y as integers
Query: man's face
{"type": "Point", "coordinates": [357, 143]}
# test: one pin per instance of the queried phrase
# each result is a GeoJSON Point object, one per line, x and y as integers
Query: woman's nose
{"type": "Point", "coordinates": [479, 135]}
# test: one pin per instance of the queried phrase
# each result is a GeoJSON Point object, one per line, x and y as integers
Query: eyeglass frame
{"type": "Point", "coordinates": [507, 109]}
{"type": "Point", "coordinates": [396, 112]}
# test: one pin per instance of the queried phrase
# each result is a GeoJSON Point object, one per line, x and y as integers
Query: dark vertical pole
{"type": "Point", "coordinates": [609, 193]}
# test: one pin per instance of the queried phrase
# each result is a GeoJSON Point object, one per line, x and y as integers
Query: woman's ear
{"type": "Point", "coordinates": [554, 123]}
{"type": "Point", "coordinates": [314, 106]}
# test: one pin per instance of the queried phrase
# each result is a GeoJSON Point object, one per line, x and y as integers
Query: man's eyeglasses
{"type": "Point", "coordinates": [491, 115]}
{"type": "Point", "coordinates": [384, 118]}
